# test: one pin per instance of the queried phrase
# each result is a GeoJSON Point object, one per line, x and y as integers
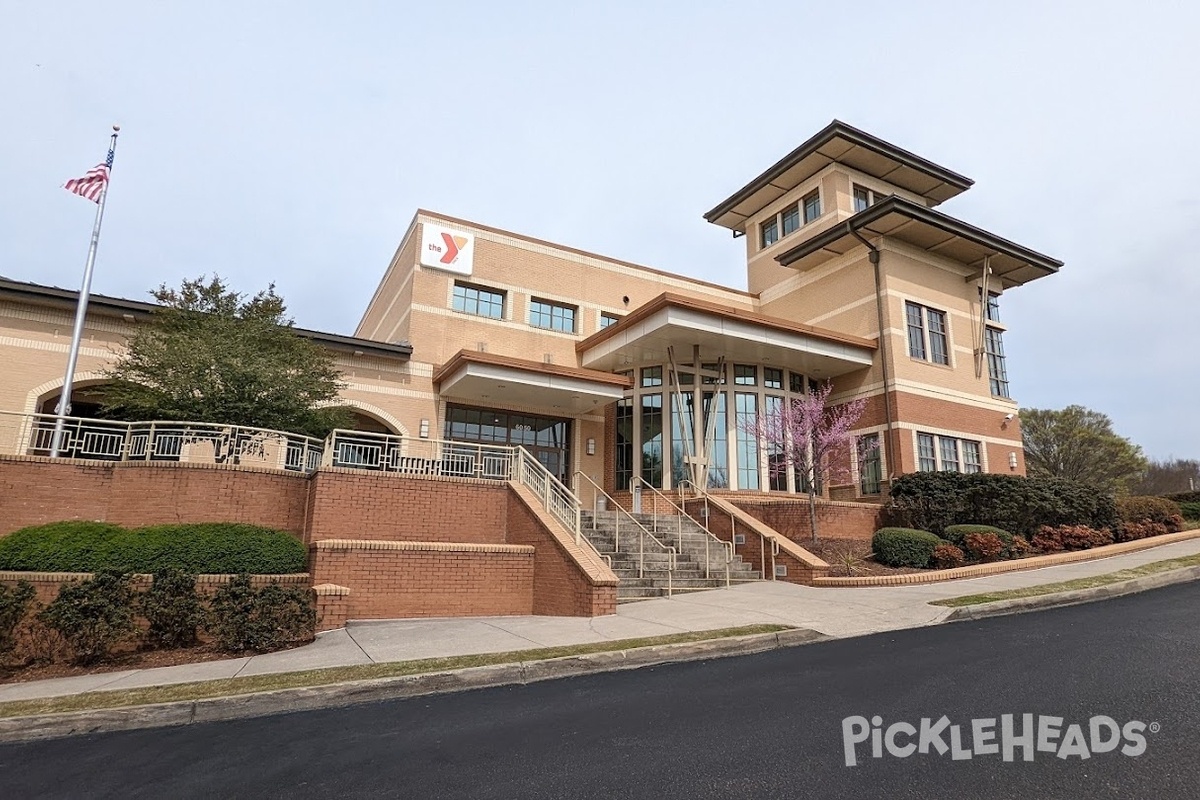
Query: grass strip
{"type": "Point", "coordinates": [1077, 583]}
{"type": "Point", "coordinates": [201, 690]}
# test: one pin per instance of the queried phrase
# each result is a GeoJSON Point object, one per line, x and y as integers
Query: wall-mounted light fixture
{"type": "Point", "coordinates": [1012, 460]}
{"type": "Point", "coordinates": [591, 447]}
{"type": "Point", "coordinates": [424, 429]}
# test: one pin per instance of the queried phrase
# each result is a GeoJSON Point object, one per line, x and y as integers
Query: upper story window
{"type": "Point", "coordinates": [745, 374]}
{"type": "Point", "coordinates": [477, 300]}
{"type": "Point", "coordinates": [651, 376]}
{"type": "Point", "coordinates": [993, 307]}
{"type": "Point", "coordinates": [608, 319]}
{"type": "Point", "coordinates": [928, 338]}
{"type": "Point", "coordinates": [864, 198]}
{"type": "Point", "coordinates": [772, 378]}
{"type": "Point", "coordinates": [770, 231]}
{"type": "Point", "coordinates": [552, 316]}
{"type": "Point", "coordinates": [812, 206]}
{"type": "Point", "coordinates": [997, 370]}
{"type": "Point", "coordinates": [791, 219]}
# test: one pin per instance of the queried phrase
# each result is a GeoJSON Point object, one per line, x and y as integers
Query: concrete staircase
{"type": "Point", "coordinates": [689, 575]}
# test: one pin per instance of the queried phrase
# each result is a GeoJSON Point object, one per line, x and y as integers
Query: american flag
{"type": "Point", "coordinates": [92, 184]}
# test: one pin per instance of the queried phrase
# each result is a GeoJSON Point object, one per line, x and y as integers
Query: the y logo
{"type": "Point", "coordinates": [453, 245]}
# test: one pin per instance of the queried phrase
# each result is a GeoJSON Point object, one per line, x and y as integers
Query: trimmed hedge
{"type": "Point", "coordinates": [1190, 510]}
{"type": "Point", "coordinates": [936, 500]}
{"type": "Point", "coordinates": [904, 547]}
{"type": "Point", "coordinates": [957, 534]}
{"type": "Point", "coordinates": [1147, 508]}
{"type": "Point", "coordinates": [1184, 497]}
{"type": "Point", "coordinates": [201, 548]}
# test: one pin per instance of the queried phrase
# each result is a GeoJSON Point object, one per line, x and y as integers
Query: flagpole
{"type": "Point", "coordinates": [64, 402]}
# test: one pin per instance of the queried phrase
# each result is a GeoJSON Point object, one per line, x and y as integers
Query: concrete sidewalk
{"type": "Point", "coordinates": [836, 612]}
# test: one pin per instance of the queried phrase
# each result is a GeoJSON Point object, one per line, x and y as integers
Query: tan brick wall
{"type": "Point", "coordinates": [427, 579]}
{"type": "Point", "coordinates": [835, 520]}
{"type": "Point", "coordinates": [370, 506]}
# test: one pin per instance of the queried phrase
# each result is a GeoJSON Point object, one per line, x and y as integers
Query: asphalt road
{"type": "Point", "coordinates": [764, 726]}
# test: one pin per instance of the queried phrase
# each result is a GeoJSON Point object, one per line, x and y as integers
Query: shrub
{"type": "Point", "coordinates": [92, 616]}
{"type": "Point", "coordinates": [958, 533]}
{"type": "Point", "coordinates": [15, 603]}
{"type": "Point", "coordinates": [1184, 497]}
{"type": "Point", "coordinates": [904, 547]}
{"type": "Point", "coordinates": [1190, 510]}
{"type": "Point", "coordinates": [947, 556]}
{"type": "Point", "coordinates": [1141, 530]}
{"type": "Point", "coordinates": [244, 618]}
{"type": "Point", "coordinates": [217, 547]}
{"type": "Point", "coordinates": [1019, 547]}
{"type": "Point", "coordinates": [1070, 537]}
{"type": "Point", "coordinates": [71, 546]}
{"type": "Point", "coordinates": [172, 608]}
{"type": "Point", "coordinates": [1149, 509]}
{"type": "Point", "coordinates": [937, 500]}
{"type": "Point", "coordinates": [985, 546]}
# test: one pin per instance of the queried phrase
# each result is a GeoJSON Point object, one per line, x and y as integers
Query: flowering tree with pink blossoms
{"type": "Point", "coordinates": [804, 434]}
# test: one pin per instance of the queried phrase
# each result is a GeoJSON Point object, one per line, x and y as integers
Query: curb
{"type": "Point", "coordinates": [337, 695]}
{"type": "Point", "coordinates": [1074, 597]}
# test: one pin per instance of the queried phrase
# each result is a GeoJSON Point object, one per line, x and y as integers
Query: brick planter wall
{"type": "Point", "coordinates": [835, 520]}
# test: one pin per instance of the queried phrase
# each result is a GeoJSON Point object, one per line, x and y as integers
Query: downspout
{"type": "Point", "coordinates": [883, 350]}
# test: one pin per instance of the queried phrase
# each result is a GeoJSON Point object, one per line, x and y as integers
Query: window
{"type": "Point", "coordinates": [870, 464]}
{"type": "Point", "coordinates": [608, 319]}
{"type": "Point", "coordinates": [993, 307]}
{"type": "Point", "coordinates": [772, 378]}
{"type": "Point", "coordinates": [746, 417]}
{"type": "Point", "coordinates": [812, 206]}
{"type": "Point", "coordinates": [864, 198]}
{"type": "Point", "coordinates": [770, 231]}
{"type": "Point", "coordinates": [926, 454]}
{"type": "Point", "coordinates": [948, 454]}
{"type": "Point", "coordinates": [624, 454]}
{"type": "Point", "coordinates": [710, 380]}
{"type": "Point", "coordinates": [949, 449]}
{"type": "Point", "coordinates": [652, 439]}
{"type": "Point", "coordinates": [997, 372]}
{"type": "Point", "coordinates": [791, 219]}
{"type": "Point", "coordinates": [970, 454]}
{"type": "Point", "coordinates": [481, 302]}
{"type": "Point", "coordinates": [718, 466]}
{"type": "Point", "coordinates": [552, 316]}
{"type": "Point", "coordinates": [776, 457]}
{"type": "Point", "coordinates": [933, 347]}
{"type": "Point", "coordinates": [651, 376]}
{"type": "Point", "coordinates": [745, 374]}
{"type": "Point", "coordinates": [796, 382]}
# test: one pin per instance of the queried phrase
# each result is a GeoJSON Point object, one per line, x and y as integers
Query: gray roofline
{"type": "Point", "coordinates": [920, 213]}
{"type": "Point", "coordinates": [839, 129]}
{"type": "Point", "coordinates": [121, 306]}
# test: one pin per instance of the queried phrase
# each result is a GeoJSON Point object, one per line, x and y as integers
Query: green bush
{"type": "Point", "coordinates": [936, 500]}
{"type": "Point", "coordinates": [1146, 508]}
{"type": "Point", "coordinates": [15, 603]}
{"type": "Point", "coordinates": [1184, 497]}
{"type": "Point", "coordinates": [1190, 510]}
{"type": "Point", "coordinates": [904, 547]}
{"type": "Point", "coordinates": [172, 608]}
{"type": "Point", "coordinates": [244, 618]}
{"type": "Point", "coordinates": [92, 616]}
{"type": "Point", "coordinates": [958, 533]}
{"type": "Point", "coordinates": [200, 548]}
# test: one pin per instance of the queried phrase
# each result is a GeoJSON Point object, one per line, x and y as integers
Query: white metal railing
{"type": "Point", "coordinates": [706, 536]}
{"type": "Point", "coordinates": [385, 452]}
{"type": "Point", "coordinates": [639, 530]}
{"type": "Point", "coordinates": [166, 441]}
{"type": "Point", "coordinates": [763, 539]}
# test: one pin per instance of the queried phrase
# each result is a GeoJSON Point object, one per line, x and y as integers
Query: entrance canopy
{"type": "Point", "coordinates": [493, 380]}
{"type": "Point", "coordinates": [682, 322]}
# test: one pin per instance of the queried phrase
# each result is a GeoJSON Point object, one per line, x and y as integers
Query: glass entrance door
{"type": "Point", "coordinates": [547, 438]}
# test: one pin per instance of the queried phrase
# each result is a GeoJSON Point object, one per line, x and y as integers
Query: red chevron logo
{"type": "Point", "coordinates": [453, 245]}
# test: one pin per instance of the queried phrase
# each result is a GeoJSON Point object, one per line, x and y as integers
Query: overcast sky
{"type": "Point", "coordinates": [292, 142]}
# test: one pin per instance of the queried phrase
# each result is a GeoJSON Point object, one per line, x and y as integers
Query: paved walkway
{"type": "Point", "coordinates": [833, 611]}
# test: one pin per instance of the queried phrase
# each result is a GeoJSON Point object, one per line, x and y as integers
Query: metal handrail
{"type": "Point", "coordinates": [164, 440]}
{"type": "Point", "coordinates": [708, 535]}
{"type": "Point", "coordinates": [671, 553]}
{"type": "Point", "coordinates": [703, 493]}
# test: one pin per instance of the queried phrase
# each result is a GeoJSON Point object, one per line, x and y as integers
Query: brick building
{"type": "Point", "coordinates": [616, 370]}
